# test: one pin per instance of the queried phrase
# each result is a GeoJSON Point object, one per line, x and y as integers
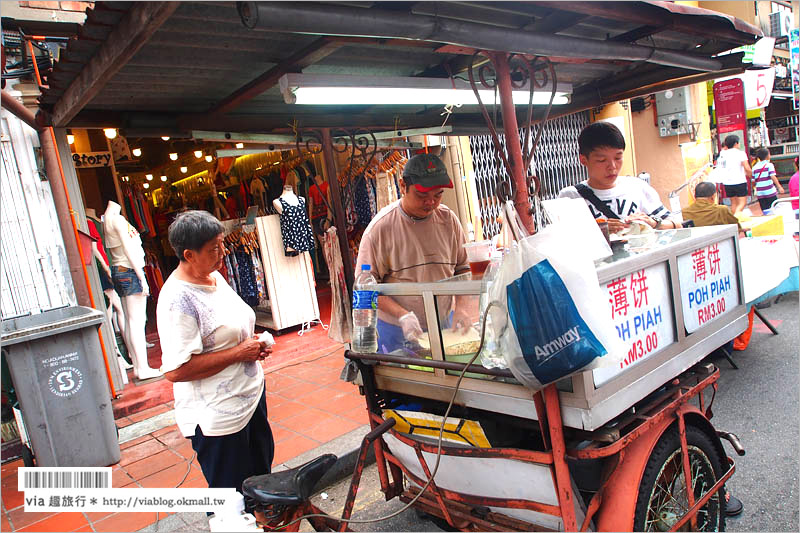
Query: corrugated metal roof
{"type": "Point", "coordinates": [202, 53]}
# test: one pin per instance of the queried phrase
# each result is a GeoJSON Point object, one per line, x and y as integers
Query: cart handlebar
{"type": "Point", "coordinates": [431, 363]}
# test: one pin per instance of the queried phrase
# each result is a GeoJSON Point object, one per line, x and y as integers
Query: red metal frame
{"type": "Point", "coordinates": [643, 430]}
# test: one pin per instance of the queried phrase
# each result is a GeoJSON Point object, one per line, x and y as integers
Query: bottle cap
{"type": "Point", "coordinates": [365, 267]}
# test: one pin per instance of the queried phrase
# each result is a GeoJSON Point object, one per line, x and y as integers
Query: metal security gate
{"type": "Point", "coordinates": [34, 275]}
{"type": "Point", "coordinates": [555, 162]}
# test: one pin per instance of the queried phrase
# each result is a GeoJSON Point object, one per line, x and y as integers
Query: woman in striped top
{"type": "Point", "coordinates": [765, 180]}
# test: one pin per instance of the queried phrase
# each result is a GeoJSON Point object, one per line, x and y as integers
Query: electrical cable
{"type": "Point", "coordinates": [438, 446]}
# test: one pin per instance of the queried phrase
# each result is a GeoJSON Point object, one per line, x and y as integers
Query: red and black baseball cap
{"type": "Point", "coordinates": [426, 172]}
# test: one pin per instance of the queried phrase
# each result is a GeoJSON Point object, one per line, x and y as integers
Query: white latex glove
{"type": "Point", "coordinates": [410, 325]}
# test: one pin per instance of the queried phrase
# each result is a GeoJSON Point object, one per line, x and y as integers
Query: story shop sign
{"type": "Point", "coordinates": [709, 287]}
{"type": "Point", "coordinates": [641, 311]}
{"type": "Point", "coordinates": [91, 159]}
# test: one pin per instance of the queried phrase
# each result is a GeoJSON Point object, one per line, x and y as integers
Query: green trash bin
{"type": "Point", "coordinates": [59, 377]}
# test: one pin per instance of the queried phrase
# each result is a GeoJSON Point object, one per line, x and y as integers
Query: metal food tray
{"type": "Point", "coordinates": [585, 405]}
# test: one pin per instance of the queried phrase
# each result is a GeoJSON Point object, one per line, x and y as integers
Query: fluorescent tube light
{"type": "Point", "coordinates": [309, 89]}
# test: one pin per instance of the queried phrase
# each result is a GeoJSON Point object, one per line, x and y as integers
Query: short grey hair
{"type": "Point", "coordinates": [191, 230]}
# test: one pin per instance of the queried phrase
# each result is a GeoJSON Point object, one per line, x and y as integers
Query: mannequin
{"type": "Point", "coordinates": [127, 267]}
{"type": "Point", "coordinates": [319, 198]}
{"type": "Point", "coordinates": [115, 304]}
{"type": "Point", "coordinates": [288, 195]}
{"type": "Point", "coordinates": [295, 225]}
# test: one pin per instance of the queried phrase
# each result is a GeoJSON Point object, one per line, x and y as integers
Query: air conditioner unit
{"type": "Point", "coordinates": [780, 23]}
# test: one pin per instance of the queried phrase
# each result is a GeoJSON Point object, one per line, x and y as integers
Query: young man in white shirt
{"type": "Point", "coordinates": [733, 168]}
{"type": "Point", "coordinates": [620, 199]}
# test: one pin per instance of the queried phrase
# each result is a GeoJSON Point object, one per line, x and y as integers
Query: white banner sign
{"type": "Point", "coordinates": [709, 287]}
{"type": "Point", "coordinates": [642, 313]}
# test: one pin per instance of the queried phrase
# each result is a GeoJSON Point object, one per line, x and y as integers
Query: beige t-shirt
{"type": "Point", "coordinates": [197, 319]}
{"type": "Point", "coordinates": [401, 249]}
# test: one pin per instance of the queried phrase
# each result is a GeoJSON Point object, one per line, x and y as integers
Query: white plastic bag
{"type": "Point", "coordinates": [548, 310]}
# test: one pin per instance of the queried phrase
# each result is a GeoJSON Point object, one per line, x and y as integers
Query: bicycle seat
{"type": "Point", "coordinates": [289, 487]}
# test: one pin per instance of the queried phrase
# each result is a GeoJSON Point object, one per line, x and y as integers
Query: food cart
{"type": "Point", "coordinates": [607, 449]}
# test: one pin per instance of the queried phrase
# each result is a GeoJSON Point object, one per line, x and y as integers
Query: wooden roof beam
{"type": "Point", "coordinates": [314, 52]}
{"type": "Point", "coordinates": [141, 22]}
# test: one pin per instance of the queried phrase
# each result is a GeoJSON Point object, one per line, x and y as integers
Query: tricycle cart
{"type": "Point", "coordinates": [608, 449]}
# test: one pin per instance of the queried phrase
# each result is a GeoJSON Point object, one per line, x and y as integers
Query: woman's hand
{"type": "Point", "coordinates": [252, 350]}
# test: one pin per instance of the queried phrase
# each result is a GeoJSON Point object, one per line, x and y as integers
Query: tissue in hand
{"type": "Point", "coordinates": [266, 337]}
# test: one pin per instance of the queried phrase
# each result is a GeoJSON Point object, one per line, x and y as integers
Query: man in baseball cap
{"type": "Point", "coordinates": [426, 172]}
{"type": "Point", "coordinates": [415, 240]}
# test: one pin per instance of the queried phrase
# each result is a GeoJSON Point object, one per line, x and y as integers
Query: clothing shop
{"type": "Point", "coordinates": [275, 204]}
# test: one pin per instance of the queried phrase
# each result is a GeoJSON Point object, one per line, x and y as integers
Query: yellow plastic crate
{"type": "Point", "coordinates": [763, 226]}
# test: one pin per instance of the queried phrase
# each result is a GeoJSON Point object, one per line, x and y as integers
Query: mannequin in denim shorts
{"type": "Point", "coordinates": [124, 247]}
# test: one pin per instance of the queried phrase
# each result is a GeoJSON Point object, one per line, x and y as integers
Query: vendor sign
{"type": "Point", "coordinates": [642, 314]}
{"type": "Point", "coordinates": [709, 286]}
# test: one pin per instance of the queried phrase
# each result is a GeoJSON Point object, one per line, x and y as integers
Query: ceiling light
{"type": "Point", "coordinates": [137, 152]}
{"type": "Point", "coordinates": [198, 154]}
{"type": "Point", "coordinates": [240, 145]}
{"type": "Point", "coordinates": [149, 177]}
{"type": "Point", "coordinates": [146, 185]}
{"type": "Point", "coordinates": [71, 139]}
{"type": "Point", "coordinates": [358, 90]}
{"type": "Point", "coordinates": [111, 133]}
{"type": "Point", "coordinates": [173, 156]}
{"type": "Point", "coordinates": [125, 178]}
{"type": "Point", "coordinates": [184, 170]}
{"type": "Point", "coordinates": [163, 178]}
{"type": "Point", "coordinates": [209, 158]}
{"type": "Point", "coordinates": [165, 138]}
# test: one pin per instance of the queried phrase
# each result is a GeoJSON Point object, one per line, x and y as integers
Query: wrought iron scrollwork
{"type": "Point", "coordinates": [359, 144]}
{"type": "Point", "coordinates": [535, 74]}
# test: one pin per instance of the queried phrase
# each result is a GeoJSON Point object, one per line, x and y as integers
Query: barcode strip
{"type": "Point", "coordinates": [37, 478]}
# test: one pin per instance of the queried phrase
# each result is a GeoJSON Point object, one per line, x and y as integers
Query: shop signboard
{"type": "Point", "coordinates": [91, 159]}
{"type": "Point", "coordinates": [758, 87]}
{"type": "Point", "coordinates": [709, 285]}
{"type": "Point", "coordinates": [641, 310]}
{"type": "Point", "coordinates": [794, 54]}
{"type": "Point", "coordinates": [730, 110]}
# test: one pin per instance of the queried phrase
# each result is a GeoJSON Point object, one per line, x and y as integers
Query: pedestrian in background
{"type": "Point", "coordinates": [733, 172]}
{"type": "Point", "coordinates": [765, 180]}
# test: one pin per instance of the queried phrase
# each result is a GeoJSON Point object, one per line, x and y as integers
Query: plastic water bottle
{"type": "Point", "coordinates": [233, 518]}
{"type": "Point", "coordinates": [365, 313]}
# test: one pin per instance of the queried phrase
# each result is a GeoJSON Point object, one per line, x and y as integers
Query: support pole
{"type": "Point", "coordinates": [338, 209]}
{"type": "Point", "coordinates": [511, 129]}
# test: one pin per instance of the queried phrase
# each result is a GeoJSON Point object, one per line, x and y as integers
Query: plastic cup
{"type": "Point", "coordinates": [479, 255]}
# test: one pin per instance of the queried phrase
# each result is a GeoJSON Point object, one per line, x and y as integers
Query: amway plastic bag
{"type": "Point", "coordinates": [549, 312]}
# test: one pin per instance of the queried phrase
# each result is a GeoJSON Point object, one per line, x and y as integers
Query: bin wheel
{"type": "Point", "coordinates": [662, 501]}
{"type": "Point", "coordinates": [27, 456]}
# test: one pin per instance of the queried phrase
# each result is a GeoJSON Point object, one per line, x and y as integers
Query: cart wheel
{"type": "Point", "coordinates": [662, 501]}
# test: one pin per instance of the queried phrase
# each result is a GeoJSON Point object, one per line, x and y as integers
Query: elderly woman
{"type": "Point", "coordinates": [210, 354]}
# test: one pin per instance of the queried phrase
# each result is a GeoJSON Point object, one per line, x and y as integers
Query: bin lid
{"type": "Point", "coordinates": [48, 323]}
